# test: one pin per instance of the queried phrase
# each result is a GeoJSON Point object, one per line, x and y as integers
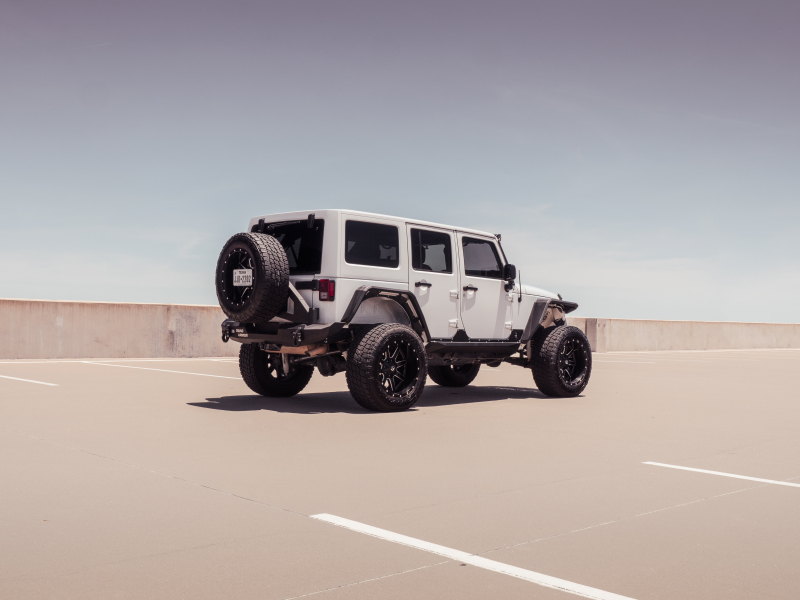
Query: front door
{"type": "Point", "coordinates": [483, 296]}
{"type": "Point", "coordinates": [433, 277]}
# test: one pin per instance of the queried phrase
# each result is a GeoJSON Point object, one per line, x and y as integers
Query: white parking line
{"type": "Point", "coordinates": [628, 362]}
{"type": "Point", "coordinates": [472, 559]}
{"type": "Point", "coordinates": [161, 370]}
{"type": "Point", "coordinates": [29, 380]}
{"type": "Point", "coordinates": [773, 481]}
{"type": "Point", "coordinates": [58, 361]}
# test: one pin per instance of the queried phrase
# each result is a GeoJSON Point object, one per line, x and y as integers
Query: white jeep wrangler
{"type": "Point", "coordinates": [390, 301]}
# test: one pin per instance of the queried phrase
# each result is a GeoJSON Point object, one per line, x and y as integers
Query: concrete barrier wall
{"type": "Point", "coordinates": [619, 335]}
{"type": "Point", "coordinates": [53, 329]}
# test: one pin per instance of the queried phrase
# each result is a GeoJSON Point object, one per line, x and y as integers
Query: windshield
{"type": "Point", "coordinates": [303, 246]}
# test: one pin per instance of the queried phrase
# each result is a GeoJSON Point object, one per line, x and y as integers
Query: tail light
{"type": "Point", "coordinates": [327, 289]}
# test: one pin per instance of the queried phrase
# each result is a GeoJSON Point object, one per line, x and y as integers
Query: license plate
{"type": "Point", "coordinates": [242, 277]}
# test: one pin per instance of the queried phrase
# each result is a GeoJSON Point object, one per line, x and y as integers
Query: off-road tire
{"type": "Point", "coordinates": [267, 296]}
{"type": "Point", "coordinates": [368, 363]}
{"type": "Point", "coordinates": [552, 373]}
{"type": "Point", "coordinates": [263, 373]}
{"type": "Point", "coordinates": [550, 364]}
{"type": "Point", "coordinates": [454, 375]}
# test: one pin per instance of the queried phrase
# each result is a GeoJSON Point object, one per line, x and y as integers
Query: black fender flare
{"type": "Point", "coordinates": [406, 299]}
{"type": "Point", "coordinates": [538, 311]}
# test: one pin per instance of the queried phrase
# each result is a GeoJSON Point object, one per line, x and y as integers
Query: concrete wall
{"type": "Point", "coordinates": [54, 329]}
{"type": "Point", "coordinates": [618, 335]}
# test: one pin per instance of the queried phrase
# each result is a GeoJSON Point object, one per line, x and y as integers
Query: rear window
{"type": "Point", "coordinates": [430, 251]}
{"type": "Point", "coordinates": [371, 244]}
{"type": "Point", "coordinates": [303, 245]}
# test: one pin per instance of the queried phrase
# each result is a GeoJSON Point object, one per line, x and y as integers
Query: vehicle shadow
{"type": "Point", "coordinates": [342, 402]}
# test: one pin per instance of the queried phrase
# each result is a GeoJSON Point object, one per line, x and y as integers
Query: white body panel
{"type": "Point", "coordinates": [486, 310]}
{"type": "Point", "coordinates": [397, 274]}
{"type": "Point", "coordinates": [380, 310]}
{"type": "Point", "coordinates": [519, 309]}
{"type": "Point", "coordinates": [534, 291]}
{"type": "Point", "coordinates": [345, 288]}
{"type": "Point", "coordinates": [439, 301]}
{"type": "Point", "coordinates": [489, 313]}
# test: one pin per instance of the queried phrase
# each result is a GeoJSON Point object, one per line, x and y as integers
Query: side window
{"type": "Point", "coordinates": [371, 244]}
{"type": "Point", "coordinates": [481, 259]}
{"type": "Point", "coordinates": [431, 251]}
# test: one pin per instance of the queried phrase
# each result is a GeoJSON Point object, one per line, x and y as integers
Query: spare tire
{"type": "Point", "coordinates": [252, 278]}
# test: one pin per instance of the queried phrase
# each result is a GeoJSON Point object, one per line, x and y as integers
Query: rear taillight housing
{"type": "Point", "coordinates": [327, 289]}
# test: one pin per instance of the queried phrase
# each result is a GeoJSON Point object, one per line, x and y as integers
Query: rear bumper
{"type": "Point", "coordinates": [283, 334]}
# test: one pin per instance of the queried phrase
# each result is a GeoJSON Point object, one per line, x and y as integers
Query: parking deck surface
{"type": "Point", "coordinates": [170, 479]}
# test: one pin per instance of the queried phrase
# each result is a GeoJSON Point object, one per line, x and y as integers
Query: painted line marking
{"type": "Point", "coordinates": [29, 380]}
{"type": "Point", "coordinates": [57, 361]}
{"type": "Point", "coordinates": [473, 559]}
{"type": "Point", "coordinates": [708, 351]}
{"type": "Point", "coordinates": [161, 370]}
{"type": "Point", "coordinates": [685, 360]}
{"type": "Point", "coordinates": [627, 362]}
{"type": "Point", "coordinates": [772, 481]}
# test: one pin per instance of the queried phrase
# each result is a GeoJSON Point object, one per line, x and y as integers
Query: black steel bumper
{"type": "Point", "coordinates": [283, 334]}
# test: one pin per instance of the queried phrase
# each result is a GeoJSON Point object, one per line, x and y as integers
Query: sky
{"type": "Point", "coordinates": [640, 158]}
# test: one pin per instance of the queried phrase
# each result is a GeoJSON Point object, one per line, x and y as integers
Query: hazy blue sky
{"type": "Point", "coordinates": [640, 158]}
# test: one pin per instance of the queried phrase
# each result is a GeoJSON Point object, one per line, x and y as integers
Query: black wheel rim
{"type": "Point", "coordinates": [572, 362]}
{"type": "Point", "coordinates": [238, 258]}
{"type": "Point", "coordinates": [398, 368]}
{"type": "Point", "coordinates": [273, 367]}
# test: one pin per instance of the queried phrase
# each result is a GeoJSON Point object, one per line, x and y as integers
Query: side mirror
{"type": "Point", "coordinates": [509, 272]}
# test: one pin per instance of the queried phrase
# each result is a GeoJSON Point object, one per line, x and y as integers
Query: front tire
{"type": "Point", "coordinates": [263, 373]}
{"type": "Point", "coordinates": [386, 368]}
{"type": "Point", "coordinates": [561, 361]}
{"type": "Point", "coordinates": [454, 375]}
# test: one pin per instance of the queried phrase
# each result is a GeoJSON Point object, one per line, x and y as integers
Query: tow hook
{"type": "Point", "coordinates": [297, 337]}
{"type": "Point", "coordinates": [226, 335]}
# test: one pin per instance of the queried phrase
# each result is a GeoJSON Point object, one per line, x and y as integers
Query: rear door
{"type": "Point", "coordinates": [433, 277]}
{"type": "Point", "coordinates": [483, 296]}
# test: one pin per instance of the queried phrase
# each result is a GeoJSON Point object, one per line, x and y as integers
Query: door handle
{"type": "Point", "coordinates": [470, 288]}
{"type": "Point", "coordinates": [424, 284]}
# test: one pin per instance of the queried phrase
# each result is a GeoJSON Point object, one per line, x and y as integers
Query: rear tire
{"type": "Point", "coordinates": [264, 256]}
{"type": "Point", "coordinates": [263, 373]}
{"type": "Point", "coordinates": [561, 361]}
{"type": "Point", "coordinates": [454, 375]}
{"type": "Point", "coordinates": [386, 368]}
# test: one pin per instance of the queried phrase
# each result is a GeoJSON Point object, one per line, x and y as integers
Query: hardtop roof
{"type": "Point", "coordinates": [294, 214]}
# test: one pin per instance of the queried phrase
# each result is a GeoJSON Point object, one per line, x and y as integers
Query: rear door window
{"type": "Point", "coordinates": [371, 244]}
{"type": "Point", "coordinates": [431, 251]}
{"type": "Point", "coordinates": [481, 258]}
{"type": "Point", "coordinates": [303, 246]}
